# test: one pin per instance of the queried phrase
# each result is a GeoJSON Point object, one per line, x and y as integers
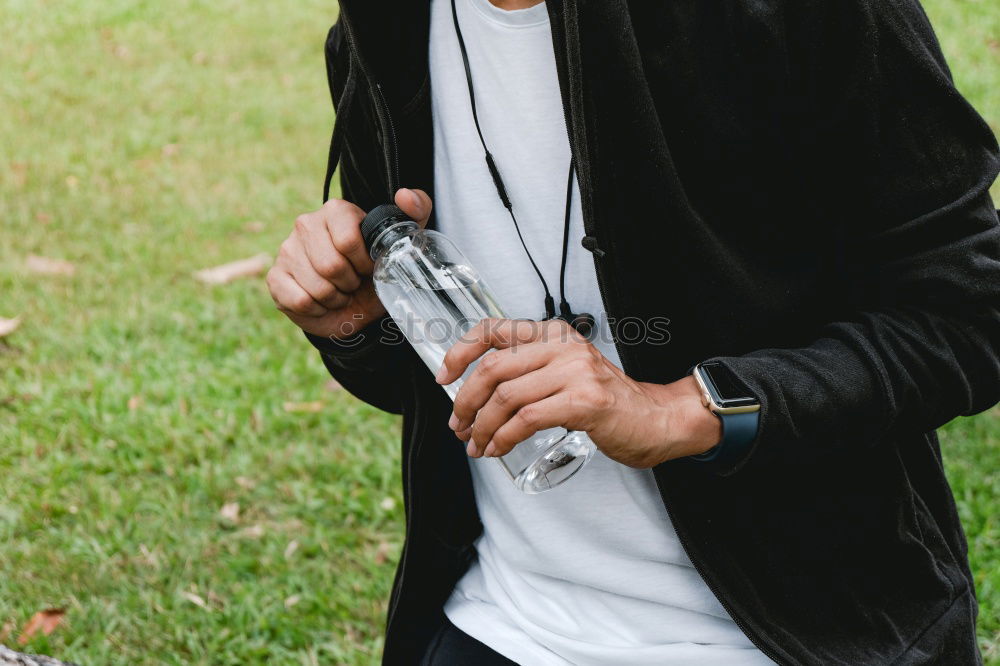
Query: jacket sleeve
{"type": "Point", "coordinates": [370, 364]}
{"type": "Point", "coordinates": [919, 346]}
{"type": "Point", "coordinates": [373, 363]}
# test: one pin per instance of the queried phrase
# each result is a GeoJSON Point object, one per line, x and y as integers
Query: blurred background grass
{"type": "Point", "coordinates": [142, 141]}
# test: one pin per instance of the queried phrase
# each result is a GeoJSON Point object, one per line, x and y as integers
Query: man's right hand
{"type": "Point", "coordinates": [322, 279]}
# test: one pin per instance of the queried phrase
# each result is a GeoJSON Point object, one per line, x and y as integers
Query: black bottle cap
{"type": "Point", "coordinates": [378, 220]}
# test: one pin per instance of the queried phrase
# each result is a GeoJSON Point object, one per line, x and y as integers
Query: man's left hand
{"type": "Point", "coordinates": [544, 374]}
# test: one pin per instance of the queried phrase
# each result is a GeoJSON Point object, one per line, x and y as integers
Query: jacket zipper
{"type": "Point", "coordinates": [390, 148]}
{"type": "Point", "coordinates": [602, 285]}
{"type": "Point", "coordinates": [747, 631]}
{"type": "Point", "coordinates": [394, 602]}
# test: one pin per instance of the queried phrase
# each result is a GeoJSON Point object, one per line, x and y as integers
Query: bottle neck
{"type": "Point", "coordinates": [388, 237]}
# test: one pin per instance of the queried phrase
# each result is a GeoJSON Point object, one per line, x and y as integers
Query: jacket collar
{"type": "Point", "coordinates": [381, 30]}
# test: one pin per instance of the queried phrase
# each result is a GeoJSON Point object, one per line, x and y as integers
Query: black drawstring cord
{"type": "Point", "coordinates": [468, 78]}
{"type": "Point", "coordinates": [550, 306]}
{"type": "Point", "coordinates": [564, 308]}
{"type": "Point", "coordinates": [343, 112]}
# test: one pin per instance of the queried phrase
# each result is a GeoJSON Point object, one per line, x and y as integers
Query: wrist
{"type": "Point", "coordinates": [690, 428]}
{"type": "Point", "coordinates": [362, 336]}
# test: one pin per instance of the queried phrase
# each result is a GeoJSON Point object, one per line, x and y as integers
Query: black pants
{"type": "Point", "coordinates": [453, 647]}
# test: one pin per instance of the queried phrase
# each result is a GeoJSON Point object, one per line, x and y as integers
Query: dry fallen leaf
{"type": "Point", "coordinates": [148, 556]}
{"type": "Point", "coordinates": [290, 549]}
{"type": "Point", "coordinates": [6, 630]}
{"type": "Point", "coordinates": [196, 600]}
{"type": "Point", "coordinates": [230, 511]}
{"type": "Point", "coordinates": [255, 420]}
{"type": "Point", "coordinates": [292, 600]}
{"type": "Point", "coordinates": [17, 397]}
{"type": "Point", "coordinates": [235, 270]}
{"type": "Point", "coordinates": [48, 266]}
{"type": "Point", "coordinates": [45, 621]}
{"type": "Point", "coordinates": [134, 403]}
{"type": "Point", "coordinates": [8, 326]}
{"type": "Point", "coordinates": [316, 406]}
{"type": "Point", "coordinates": [252, 532]}
{"type": "Point", "coordinates": [382, 552]}
{"type": "Point", "coordinates": [19, 170]}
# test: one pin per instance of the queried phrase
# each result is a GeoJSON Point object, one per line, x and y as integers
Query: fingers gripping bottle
{"type": "Point", "coordinates": [435, 296]}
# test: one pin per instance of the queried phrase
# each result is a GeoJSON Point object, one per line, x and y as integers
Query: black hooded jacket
{"type": "Point", "coordinates": [800, 189]}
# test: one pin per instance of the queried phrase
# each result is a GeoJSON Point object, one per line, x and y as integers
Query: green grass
{"type": "Point", "coordinates": [138, 140]}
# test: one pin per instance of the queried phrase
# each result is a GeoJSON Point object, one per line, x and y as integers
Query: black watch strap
{"type": "Point", "coordinates": [738, 433]}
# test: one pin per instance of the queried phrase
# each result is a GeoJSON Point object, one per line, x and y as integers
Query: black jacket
{"type": "Point", "coordinates": [798, 186]}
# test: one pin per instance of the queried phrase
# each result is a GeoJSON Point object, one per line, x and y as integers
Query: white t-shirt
{"type": "Point", "coordinates": [592, 571]}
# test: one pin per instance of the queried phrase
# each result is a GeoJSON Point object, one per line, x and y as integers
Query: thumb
{"type": "Point", "coordinates": [415, 203]}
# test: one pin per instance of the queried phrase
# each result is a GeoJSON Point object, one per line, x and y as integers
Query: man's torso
{"type": "Point", "coordinates": [699, 171]}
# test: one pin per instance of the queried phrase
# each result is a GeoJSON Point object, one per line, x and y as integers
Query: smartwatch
{"type": "Point", "coordinates": [730, 400]}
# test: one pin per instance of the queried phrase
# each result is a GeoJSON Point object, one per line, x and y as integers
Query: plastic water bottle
{"type": "Point", "coordinates": [435, 296]}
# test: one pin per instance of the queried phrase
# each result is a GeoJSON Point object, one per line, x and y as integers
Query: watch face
{"type": "Point", "coordinates": [726, 389]}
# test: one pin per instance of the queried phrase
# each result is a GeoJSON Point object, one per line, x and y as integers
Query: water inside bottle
{"type": "Point", "coordinates": [434, 304]}
{"type": "Point", "coordinates": [434, 312]}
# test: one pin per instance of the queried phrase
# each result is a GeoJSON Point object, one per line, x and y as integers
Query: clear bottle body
{"type": "Point", "coordinates": [435, 296]}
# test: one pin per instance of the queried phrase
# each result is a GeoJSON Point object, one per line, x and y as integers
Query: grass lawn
{"type": "Point", "coordinates": [143, 141]}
